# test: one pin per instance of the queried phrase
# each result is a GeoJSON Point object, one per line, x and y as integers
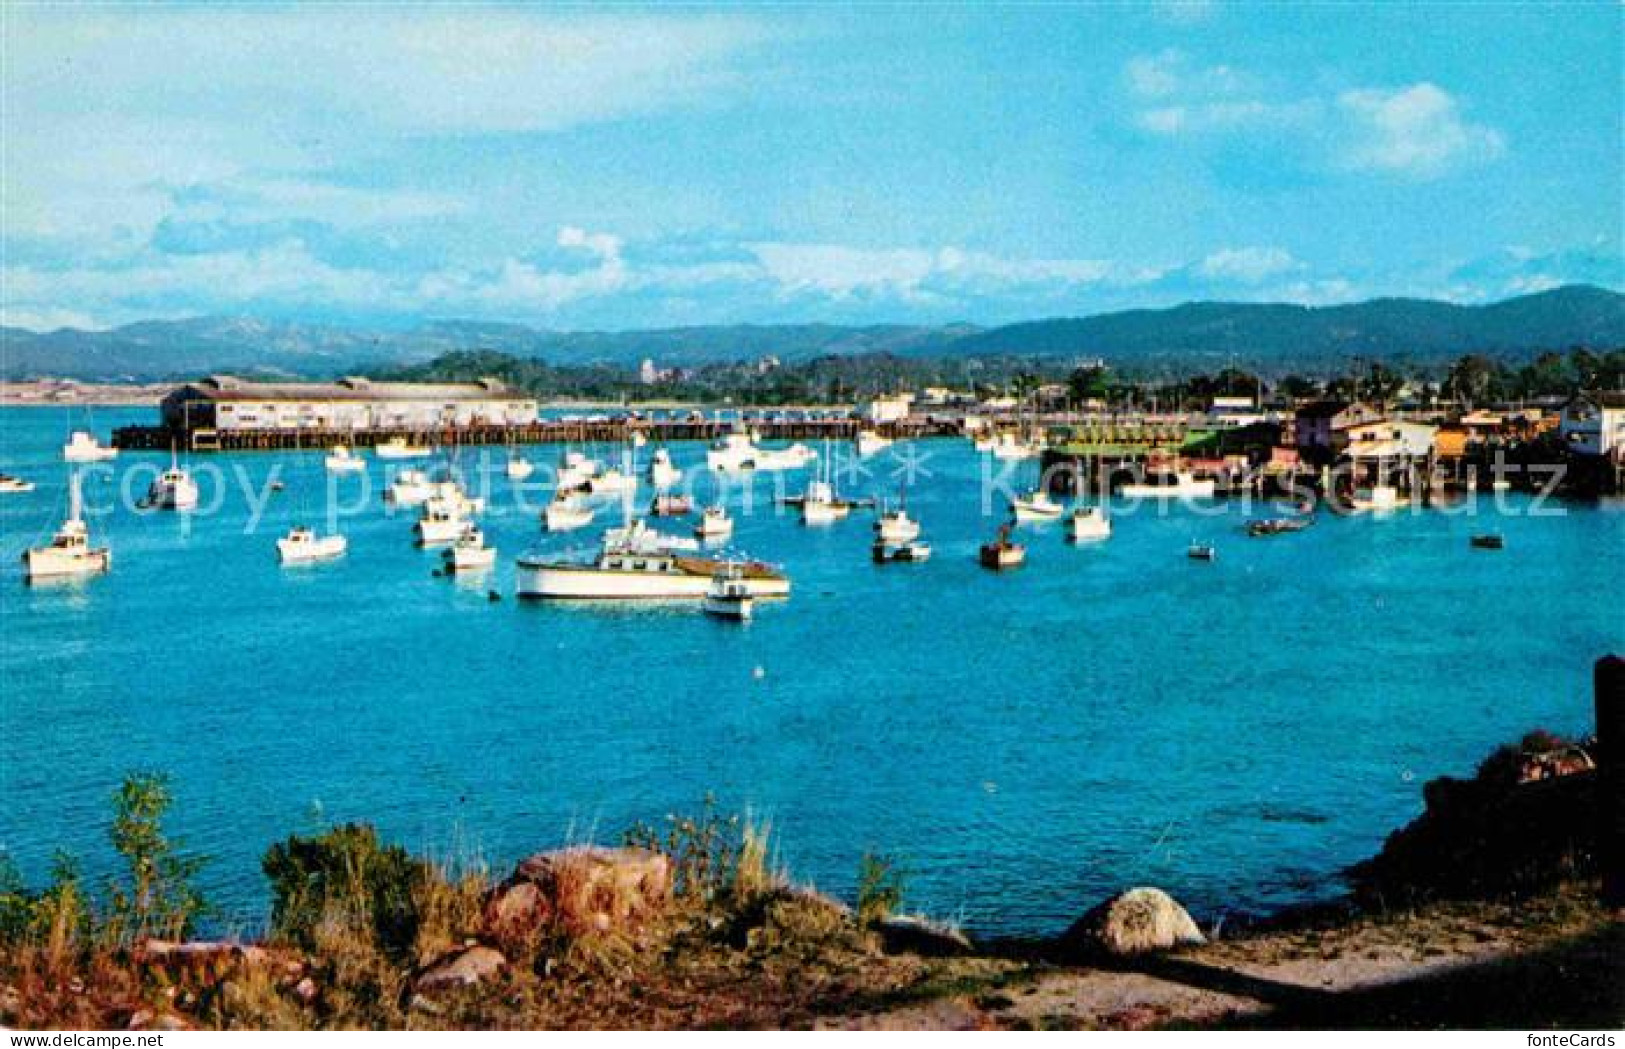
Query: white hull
{"type": "Point", "coordinates": [13, 486]}
{"type": "Point", "coordinates": [345, 464]}
{"type": "Point", "coordinates": [438, 532]}
{"type": "Point", "coordinates": [665, 476]}
{"type": "Point", "coordinates": [872, 444]}
{"type": "Point", "coordinates": [519, 469]}
{"type": "Point", "coordinates": [588, 582]}
{"type": "Point", "coordinates": [179, 496]}
{"type": "Point", "coordinates": [83, 448]}
{"type": "Point", "coordinates": [730, 608]}
{"type": "Point", "coordinates": [1380, 500]}
{"type": "Point", "coordinates": [48, 563]}
{"type": "Point", "coordinates": [897, 531]}
{"type": "Point", "coordinates": [323, 549]}
{"type": "Point", "coordinates": [1087, 526]}
{"type": "Point", "coordinates": [469, 559]}
{"type": "Point", "coordinates": [1028, 510]}
{"type": "Point", "coordinates": [1183, 490]}
{"type": "Point", "coordinates": [818, 513]}
{"type": "Point", "coordinates": [402, 451]}
{"type": "Point", "coordinates": [738, 458]}
{"type": "Point", "coordinates": [558, 518]}
{"type": "Point", "coordinates": [410, 494]}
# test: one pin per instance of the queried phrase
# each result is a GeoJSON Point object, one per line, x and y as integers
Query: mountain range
{"type": "Point", "coordinates": [1264, 336]}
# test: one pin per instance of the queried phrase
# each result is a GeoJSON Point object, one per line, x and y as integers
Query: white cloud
{"type": "Point", "coordinates": [1416, 131]}
{"type": "Point", "coordinates": [839, 272]}
{"type": "Point", "coordinates": [1175, 95]}
{"type": "Point", "coordinates": [1248, 265]}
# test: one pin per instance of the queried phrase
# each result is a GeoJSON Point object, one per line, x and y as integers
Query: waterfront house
{"type": "Point", "coordinates": [1389, 439]}
{"type": "Point", "coordinates": [1320, 427]}
{"type": "Point", "coordinates": [225, 402]}
{"type": "Point", "coordinates": [1594, 423]}
{"type": "Point", "coordinates": [888, 409]}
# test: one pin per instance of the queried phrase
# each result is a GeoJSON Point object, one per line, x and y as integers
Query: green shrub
{"type": "Point", "coordinates": [704, 850]}
{"type": "Point", "coordinates": [880, 888]}
{"type": "Point", "coordinates": [158, 897]}
{"type": "Point", "coordinates": [345, 876]}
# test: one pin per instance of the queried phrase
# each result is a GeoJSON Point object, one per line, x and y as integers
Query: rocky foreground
{"type": "Point", "coordinates": [1483, 913]}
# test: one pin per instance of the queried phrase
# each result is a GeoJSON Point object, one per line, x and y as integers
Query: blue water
{"type": "Point", "coordinates": [1023, 743]}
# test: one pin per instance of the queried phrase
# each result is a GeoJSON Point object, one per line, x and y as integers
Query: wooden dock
{"type": "Point", "coordinates": [608, 431]}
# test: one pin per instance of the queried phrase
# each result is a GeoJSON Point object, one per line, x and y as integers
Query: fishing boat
{"type": "Point", "coordinates": [1002, 552]}
{"type": "Point", "coordinates": [896, 527]}
{"type": "Point", "coordinates": [715, 525]}
{"type": "Point", "coordinates": [575, 470]}
{"type": "Point", "coordinates": [566, 513]}
{"type": "Point", "coordinates": [1488, 541]}
{"type": "Point", "coordinates": [10, 485]}
{"type": "Point", "coordinates": [302, 545]}
{"type": "Point", "coordinates": [912, 551]}
{"type": "Point", "coordinates": [469, 551]}
{"type": "Point", "coordinates": [729, 596]}
{"type": "Point", "coordinates": [1378, 499]}
{"type": "Point", "coordinates": [667, 505]}
{"type": "Point", "coordinates": [1170, 484]}
{"type": "Point", "coordinates": [738, 452]}
{"type": "Point", "coordinates": [70, 552]}
{"type": "Point", "coordinates": [341, 460]}
{"type": "Point", "coordinates": [870, 442]}
{"type": "Point", "coordinates": [820, 505]}
{"type": "Point", "coordinates": [1088, 524]}
{"type": "Point", "coordinates": [620, 573]}
{"type": "Point", "coordinates": [401, 448]}
{"type": "Point", "coordinates": [409, 487]}
{"type": "Point", "coordinates": [1266, 526]}
{"type": "Point", "coordinates": [439, 523]}
{"type": "Point", "coordinates": [518, 467]}
{"type": "Point", "coordinates": [1036, 506]}
{"type": "Point", "coordinates": [1201, 552]}
{"type": "Point", "coordinates": [663, 473]}
{"type": "Point", "coordinates": [612, 482]}
{"type": "Point", "coordinates": [174, 489]}
{"type": "Point", "coordinates": [1012, 447]}
{"type": "Point", "coordinates": [448, 490]}
{"type": "Point", "coordinates": [82, 447]}
{"type": "Point", "coordinates": [636, 536]}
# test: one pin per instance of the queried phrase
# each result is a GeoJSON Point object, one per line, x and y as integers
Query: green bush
{"type": "Point", "coordinates": [158, 897]}
{"type": "Point", "coordinates": [345, 875]}
{"type": "Point", "coordinates": [880, 888]}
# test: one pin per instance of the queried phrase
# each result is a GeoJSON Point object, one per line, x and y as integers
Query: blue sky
{"type": "Point", "coordinates": [631, 167]}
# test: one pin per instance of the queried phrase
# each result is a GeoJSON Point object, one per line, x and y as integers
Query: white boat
{"type": "Point", "coordinates": [729, 596]}
{"type": "Point", "coordinates": [302, 545]}
{"type": "Point", "coordinates": [400, 448]}
{"type": "Point", "coordinates": [1010, 446]}
{"type": "Point", "coordinates": [618, 574]}
{"type": "Point", "coordinates": [635, 536]}
{"type": "Point", "coordinates": [1088, 524]}
{"type": "Point", "coordinates": [450, 492]}
{"type": "Point", "coordinates": [341, 460]}
{"type": "Point", "coordinates": [662, 472]}
{"type": "Point", "coordinates": [1202, 552]}
{"type": "Point", "coordinates": [739, 452]}
{"type": "Point", "coordinates": [566, 514]}
{"type": "Point", "coordinates": [715, 525]}
{"type": "Point", "coordinates": [519, 467]}
{"type": "Point", "coordinates": [912, 551]}
{"type": "Point", "coordinates": [1175, 484]}
{"type": "Point", "coordinates": [173, 490]}
{"type": "Point", "coordinates": [70, 552]}
{"type": "Point", "coordinates": [82, 447]}
{"type": "Point", "coordinates": [896, 527]}
{"type": "Point", "coordinates": [14, 485]}
{"type": "Point", "coordinates": [612, 482]}
{"type": "Point", "coordinates": [1036, 506]}
{"type": "Point", "coordinates": [869, 443]}
{"type": "Point", "coordinates": [668, 505]}
{"type": "Point", "coordinates": [1379, 499]}
{"type": "Point", "coordinates": [469, 552]}
{"type": "Point", "coordinates": [985, 441]}
{"type": "Point", "coordinates": [409, 488]}
{"type": "Point", "coordinates": [575, 470]}
{"type": "Point", "coordinates": [1002, 552]}
{"type": "Point", "coordinates": [821, 506]}
{"type": "Point", "coordinates": [439, 523]}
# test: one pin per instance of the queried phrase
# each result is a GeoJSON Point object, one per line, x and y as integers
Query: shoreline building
{"type": "Point", "coordinates": [225, 402]}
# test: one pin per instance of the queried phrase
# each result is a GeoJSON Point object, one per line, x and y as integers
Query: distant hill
{"type": "Point", "coordinates": [1265, 336]}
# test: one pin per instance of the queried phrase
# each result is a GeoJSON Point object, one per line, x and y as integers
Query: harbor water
{"type": "Point", "coordinates": [1022, 743]}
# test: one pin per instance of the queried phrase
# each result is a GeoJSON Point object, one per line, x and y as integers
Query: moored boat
{"type": "Point", "coordinates": [729, 596]}
{"type": "Point", "coordinates": [1002, 552]}
{"type": "Point", "coordinates": [341, 460]}
{"type": "Point", "coordinates": [69, 553]}
{"type": "Point", "coordinates": [409, 488]}
{"type": "Point", "coordinates": [870, 442]}
{"type": "Point", "coordinates": [10, 485]}
{"type": "Point", "coordinates": [912, 551]}
{"type": "Point", "coordinates": [663, 473]}
{"type": "Point", "coordinates": [469, 552]}
{"type": "Point", "coordinates": [1488, 541]}
{"type": "Point", "coordinates": [896, 527]}
{"type": "Point", "coordinates": [174, 489]}
{"type": "Point", "coordinates": [1170, 484]}
{"type": "Point", "coordinates": [566, 513]}
{"type": "Point", "coordinates": [715, 524]}
{"type": "Point", "coordinates": [667, 505]}
{"type": "Point", "coordinates": [618, 573]}
{"type": "Point", "coordinates": [441, 522]}
{"type": "Point", "coordinates": [738, 452]}
{"type": "Point", "coordinates": [1035, 506]}
{"type": "Point", "coordinates": [1202, 552]}
{"type": "Point", "coordinates": [82, 447]}
{"type": "Point", "coordinates": [302, 545]}
{"type": "Point", "coordinates": [1088, 524]}
{"type": "Point", "coordinates": [1276, 525]}
{"type": "Point", "coordinates": [518, 467]}
{"type": "Point", "coordinates": [401, 448]}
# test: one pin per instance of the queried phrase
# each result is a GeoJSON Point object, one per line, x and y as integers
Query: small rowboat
{"type": "Point", "coordinates": [1202, 552]}
{"type": "Point", "coordinates": [1490, 541]}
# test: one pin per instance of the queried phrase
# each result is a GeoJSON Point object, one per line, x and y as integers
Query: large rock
{"type": "Point", "coordinates": [913, 934]}
{"type": "Point", "coordinates": [1135, 922]}
{"type": "Point", "coordinates": [578, 891]}
{"type": "Point", "coordinates": [461, 969]}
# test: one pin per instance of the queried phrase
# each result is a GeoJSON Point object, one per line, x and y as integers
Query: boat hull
{"type": "Point", "coordinates": [54, 564]}
{"type": "Point", "coordinates": [576, 582]}
{"type": "Point", "coordinates": [325, 549]}
{"type": "Point", "coordinates": [1187, 490]}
